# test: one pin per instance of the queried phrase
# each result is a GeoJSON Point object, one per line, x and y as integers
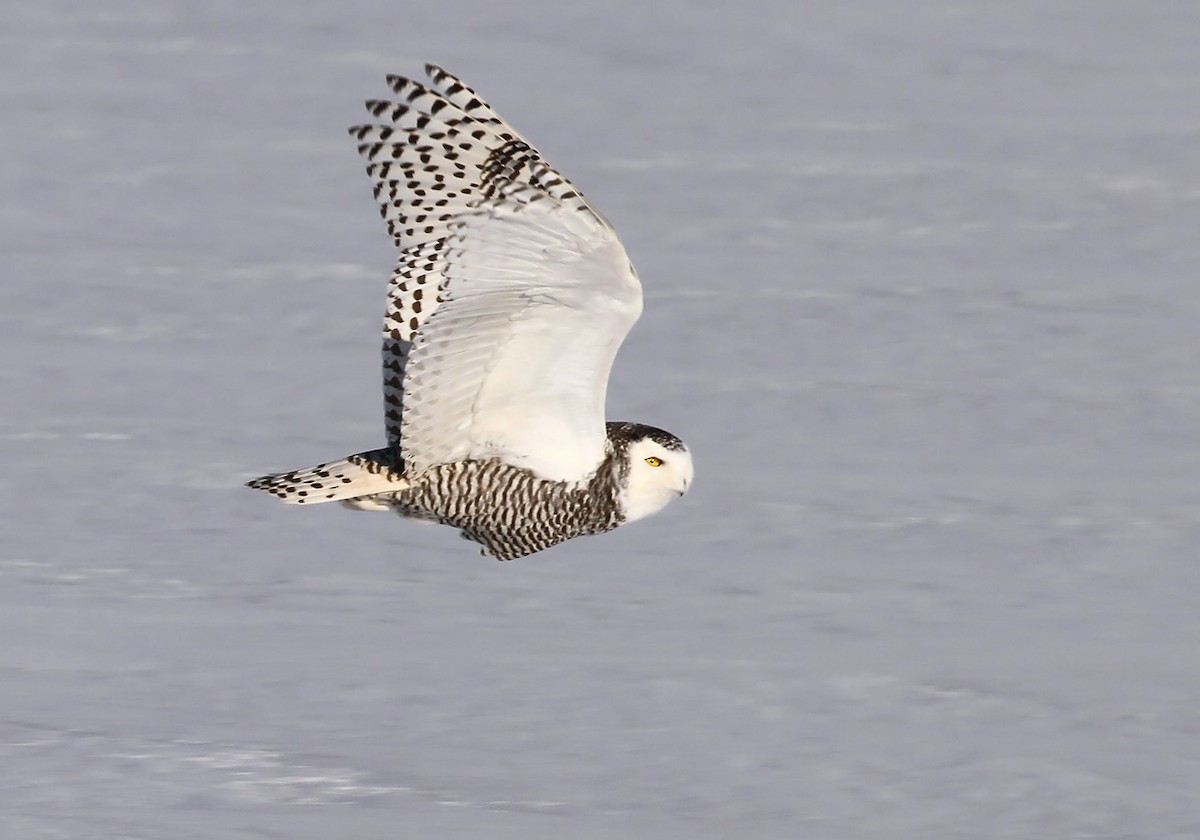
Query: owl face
{"type": "Point", "coordinates": [658, 473]}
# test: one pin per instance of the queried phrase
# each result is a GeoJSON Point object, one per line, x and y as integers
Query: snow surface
{"type": "Point", "coordinates": [921, 295]}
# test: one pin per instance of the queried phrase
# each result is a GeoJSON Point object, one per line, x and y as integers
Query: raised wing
{"type": "Point", "coordinates": [511, 295]}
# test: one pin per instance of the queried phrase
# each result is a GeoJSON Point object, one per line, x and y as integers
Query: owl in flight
{"type": "Point", "coordinates": [507, 306]}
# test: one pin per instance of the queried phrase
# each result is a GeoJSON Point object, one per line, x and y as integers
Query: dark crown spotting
{"type": "Point", "coordinates": [623, 434]}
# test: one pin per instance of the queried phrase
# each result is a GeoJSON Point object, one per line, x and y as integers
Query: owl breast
{"type": "Point", "coordinates": [509, 510]}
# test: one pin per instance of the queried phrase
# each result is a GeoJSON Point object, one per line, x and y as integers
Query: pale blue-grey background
{"type": "Point", "coordinates": [921, 295]}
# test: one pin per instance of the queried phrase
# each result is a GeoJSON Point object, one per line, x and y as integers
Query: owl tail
{"type": "Point", "coordinates": [364, 474]}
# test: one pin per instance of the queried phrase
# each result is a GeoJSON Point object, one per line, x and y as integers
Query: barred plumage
{"type": "Point", "coordinates": [509, 300]}
{"type": "Point", "coordinates": [508, 510]}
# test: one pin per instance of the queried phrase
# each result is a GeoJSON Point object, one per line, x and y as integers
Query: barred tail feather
{"type": "Point", "coordinates": [364, 474]}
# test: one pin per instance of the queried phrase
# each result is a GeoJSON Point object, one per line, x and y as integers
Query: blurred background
{"type": "Point", "coordinates": [921, 295]}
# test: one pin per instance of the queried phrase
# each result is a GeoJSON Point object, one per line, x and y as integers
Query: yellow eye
{"type": "Point", "coordinates": [654, 462]}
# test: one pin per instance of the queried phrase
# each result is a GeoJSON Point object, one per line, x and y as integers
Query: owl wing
{"type": "Point", "coordinates": [511, 295]}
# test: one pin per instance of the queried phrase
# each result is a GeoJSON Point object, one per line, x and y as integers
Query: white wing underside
{"type": "Point", "coordinates": [514, 362]}
{"type": "Point", "coordinates": [511, 295]}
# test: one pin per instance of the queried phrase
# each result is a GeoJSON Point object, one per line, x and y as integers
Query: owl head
{"type": "Point", "coordinates": [657, 468]}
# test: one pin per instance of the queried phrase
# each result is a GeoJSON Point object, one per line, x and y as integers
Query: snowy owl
{"type": "Point", "coordinates": [507, 306]}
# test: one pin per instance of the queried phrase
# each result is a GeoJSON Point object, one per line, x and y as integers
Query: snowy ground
{"type": "Point", "coordinates": [921, 295]}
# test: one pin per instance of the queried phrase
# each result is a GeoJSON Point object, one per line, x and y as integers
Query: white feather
{"type": "Point", "coordinates": [514, 362]}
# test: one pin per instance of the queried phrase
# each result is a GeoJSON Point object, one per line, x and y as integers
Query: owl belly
{"type": "Point", "coordinates": [508, 510]}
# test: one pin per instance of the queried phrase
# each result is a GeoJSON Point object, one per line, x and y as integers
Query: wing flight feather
{"type": "Point", "coordinates": [511, 295]}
